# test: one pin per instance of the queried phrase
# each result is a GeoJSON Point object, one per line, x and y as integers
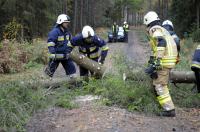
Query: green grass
{"type": "Point", "coordinates": [135, 94]}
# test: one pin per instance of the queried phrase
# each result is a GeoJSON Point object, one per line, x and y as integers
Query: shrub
{"type": "Point", "coordinates": [15, 57]}
{"type": "Point", "coordinates": [12, 30]}
{"type": "Point", "coordinates": [196, 35]}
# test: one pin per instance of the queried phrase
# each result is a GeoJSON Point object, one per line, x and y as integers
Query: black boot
{"type": "Point", "coordinates": [170, 113]}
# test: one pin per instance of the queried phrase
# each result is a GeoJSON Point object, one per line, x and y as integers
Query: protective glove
{"type": "Point", "coordinates": [151, 60]}
{"type": "Point", "coordinates": [151, 71]}
{"type": "Point", "coordinates": [154, 75]}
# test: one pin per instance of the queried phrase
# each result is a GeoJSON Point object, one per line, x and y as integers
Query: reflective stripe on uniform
{"type": "Point", "coordinates": [51, 44]}
{"type": "Point", "coordinates": [82, 49]}
{"type": "Point", "coordinates": [161, 48]}
{"type": "Point", "coordinates": [168, 61]}
{"type": "Point", "coordinates": [198, 47]}
{"type": "Point", "coordinates": [104, 48]}
{"type": "Point", "coordinates": [94, 55]}
{"type": "Point", "coordinates": [171, 58]}
{"type": "Point", "coordinates": [60, 38]}
{"type": "Point", "coordinates": [59, 56]}
{"type": "Point", "coordinates": [93, 48]}
{"type": "Point", "coordinates": [195, 64]}
{"type": "Point", "coordinates": [166, 102]}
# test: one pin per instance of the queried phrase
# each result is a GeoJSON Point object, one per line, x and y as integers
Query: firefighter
{"type": "Point", "coordinates": [196, 66]}
{"type": "Point", "coordinates": [89, 45]}
{"type": "Point", "coordinates": [58, 38]}
{"type": "Point", "coordinates": [164, 51]}
{"type": "Point", "coordinates": [115, 29]}
{"type": "Point", "coordinates": [126, 29]}
{"type": "Point", "coordinates": [168, 25]}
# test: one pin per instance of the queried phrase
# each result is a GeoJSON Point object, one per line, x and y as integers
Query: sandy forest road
{"type": "Point", "coordinates": [90, 117]}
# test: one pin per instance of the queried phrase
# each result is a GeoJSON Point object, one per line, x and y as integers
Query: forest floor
{"type": "Point", "coordinates": [91, 116]}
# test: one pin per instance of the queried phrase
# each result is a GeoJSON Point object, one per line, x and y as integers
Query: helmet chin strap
{"type": "Point", "coordinates": [64, 28]}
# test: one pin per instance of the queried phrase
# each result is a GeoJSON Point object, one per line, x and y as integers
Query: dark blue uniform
{"type": "Point", "coordinates": [196, 66]}
{"type": "Point", "coordinates": [58, 49]}
{"type": "Point", "coordinates": [90, 49]}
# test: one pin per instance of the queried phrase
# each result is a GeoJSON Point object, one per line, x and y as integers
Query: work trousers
{"type": "Point", "coordinates": [161, 89]}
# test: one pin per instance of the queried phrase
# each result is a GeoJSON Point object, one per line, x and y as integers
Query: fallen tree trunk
{"type": "Point", "coordinates": [87, 63]}
{"type": "Point", "coordinates": [182, 77]}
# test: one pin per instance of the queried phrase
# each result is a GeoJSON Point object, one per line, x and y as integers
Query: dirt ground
{"type": "Point", "coordinates": [92, 117]}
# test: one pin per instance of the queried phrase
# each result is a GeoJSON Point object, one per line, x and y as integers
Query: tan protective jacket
{"type": "Point", "coordinates": [168, 53]}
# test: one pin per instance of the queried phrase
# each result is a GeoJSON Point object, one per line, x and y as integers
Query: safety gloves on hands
{"type": "Point", "coordinates": [151, 71]}
{"type": "Point", "coordinates": [151, 60]}
{"type": "Point", "coordinates": [154, 65]}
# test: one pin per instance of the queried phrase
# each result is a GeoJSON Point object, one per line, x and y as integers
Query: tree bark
{"type": "Point", "coordinates": [75, 17]}
{"type": "Point", "coordinates": [197, 9]}
{"type": "Point", "coordinates": [87, 63]}
{"type": "Point", "coordinates": [182, 77]}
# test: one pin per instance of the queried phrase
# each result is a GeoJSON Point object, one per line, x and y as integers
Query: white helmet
{"type": "Point", "coordinates": [125, 22]}
{"type": "Point", "coordinates": [63, 18]}
{"type": "Point", "coordinates": [87, 31]}
{"type": "Point", "coordinates": [168, 22]}
{"type": "Point", "coordinates": [150, 17]}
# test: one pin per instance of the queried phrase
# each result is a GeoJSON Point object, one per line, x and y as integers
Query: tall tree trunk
{"type": "Point", "coordinates": [159, 8]}
{"type": "Point", "coordinates": [150, 4]}
{"type": "Point", "coordinates": [64, 6]}
{"type": "Point", "coordinates": [81, 14]}
{"type": "Point", "coordinates": [197, 9]}
{"type": "Point", "coordinates": [75, 17]}
{"type": "Point", "coordinates": [167, 8]}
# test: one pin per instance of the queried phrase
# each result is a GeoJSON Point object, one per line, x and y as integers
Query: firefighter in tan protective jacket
{"type": "Point", "coordinates": [163, 59]}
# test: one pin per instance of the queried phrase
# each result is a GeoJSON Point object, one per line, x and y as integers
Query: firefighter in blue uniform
{"type": "Point", "coordinates": [168, 25]}
{"type": "Point", "coordinates": [89, 45]}
{"type": "Point", "coordinates": [58, 38]}
{"type": "Point", "coordinates": [196, 66]}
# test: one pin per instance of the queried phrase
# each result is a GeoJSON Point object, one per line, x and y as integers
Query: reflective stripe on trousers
{"type": "Point", "coordinates": [162, 90]}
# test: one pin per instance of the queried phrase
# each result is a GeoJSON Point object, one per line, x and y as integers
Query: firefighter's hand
{"type": "Point", "coordinates": [151, 60]}
{"type": "Point", "coordinates": [154, 75]}
{"type": "Point", "coordinates": [149, 70]}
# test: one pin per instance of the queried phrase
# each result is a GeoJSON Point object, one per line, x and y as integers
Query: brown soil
{"type": "Point", "coordinates": [92, 117]}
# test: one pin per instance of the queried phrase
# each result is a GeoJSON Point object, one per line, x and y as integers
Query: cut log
{"type": "Point", "coordinates": [182, 77]}
{"type": "Point", "coordinates": [87, 63]}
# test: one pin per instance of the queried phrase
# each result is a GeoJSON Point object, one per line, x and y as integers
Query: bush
{"type": "Point", "coordinates": [15, 57]}
{"type": "Point", "coordinates": [196, 35]}
{"type": "Point", "coordinates": [12, 30]}
{"type": "Point", "coordinates": [12, 57]}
